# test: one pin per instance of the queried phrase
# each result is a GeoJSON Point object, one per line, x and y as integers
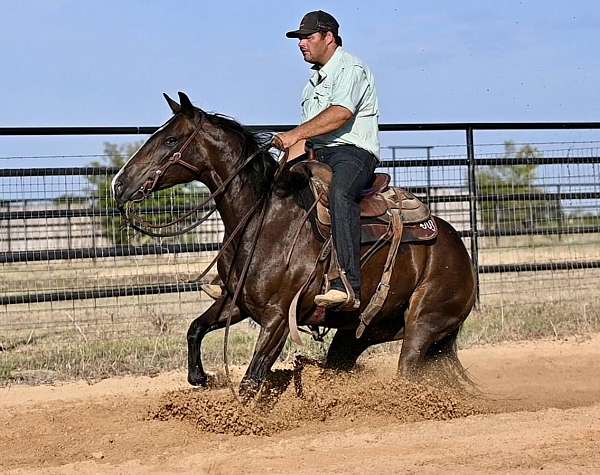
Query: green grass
{"type": "Point", "coordinates": [70, 357]}
{"type": "Point", "coordinates": [44, 361]}
{"type": "Point", "coordinates": [530, 322]}
{"type": "Point", "coordinates": [92, 360]}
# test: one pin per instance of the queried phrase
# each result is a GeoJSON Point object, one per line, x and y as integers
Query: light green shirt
{"type": "Point", "coordinates": [344, 81]}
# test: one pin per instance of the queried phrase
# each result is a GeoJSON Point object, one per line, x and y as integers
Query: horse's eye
{"type": "Point", "coordinates": [171, 141]}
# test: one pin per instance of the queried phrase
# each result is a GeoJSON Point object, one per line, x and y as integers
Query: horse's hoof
{"type": "Point", "coordinates": [249, 389]}
{"type": "Point", "coordinates": [198, 381]}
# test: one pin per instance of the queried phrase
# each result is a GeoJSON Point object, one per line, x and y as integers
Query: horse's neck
{"type": "Point", "coordinates": [235, 203]}
{"type": "Point", "coordinates": [240, 197]}
{"type": "Point", "coordinates": [240, 202]}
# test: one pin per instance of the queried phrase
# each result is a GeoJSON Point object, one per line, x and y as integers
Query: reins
{"type": "Point", "coordinates": [240, 225]}
{"type": "Point", "coordinates": [265, 202]}
{"type": "Point", "coordinates": [149, 186]}
{"type": "Point", "coordinates": [238, 288]}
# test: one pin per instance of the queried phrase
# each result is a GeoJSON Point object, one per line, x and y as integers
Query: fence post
{"type": "Point", "coordinates": [25, 229]}
{"type": "Point", "coordinates": [496, 223]}
{"type": "Point", "coordinates": [473, 206]}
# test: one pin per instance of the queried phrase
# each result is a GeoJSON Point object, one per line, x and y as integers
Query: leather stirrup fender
{"type": "Point", "coordinates": [379, 297]}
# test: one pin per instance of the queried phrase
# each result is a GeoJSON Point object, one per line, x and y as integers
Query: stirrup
{"type": "Point", "coordinates": [347, 305]}
{"type": "Point", "coordinates": [214, 291]}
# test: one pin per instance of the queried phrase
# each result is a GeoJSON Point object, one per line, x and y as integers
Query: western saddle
{"type": "Point", "coordinates": [376, 206]}
{"type": "Point", "coordinates": [387, 214]}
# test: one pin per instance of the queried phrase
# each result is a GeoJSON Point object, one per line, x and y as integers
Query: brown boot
{"type": "Point", "coordinates": [212, 290]}
{"type": "Point", "coordinates": [335, 298]}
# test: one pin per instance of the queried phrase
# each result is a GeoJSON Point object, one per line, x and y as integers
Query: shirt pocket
{"type": "Point", "coordinates": [322, 94]}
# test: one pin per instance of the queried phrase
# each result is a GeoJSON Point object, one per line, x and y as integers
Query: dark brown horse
{"type": "Point", "coordinates": [432, 287]}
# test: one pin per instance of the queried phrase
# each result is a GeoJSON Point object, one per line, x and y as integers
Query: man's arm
{"type": "Point", "coordinates": [332, 118]}
{"type": "Point", "coordinates": [296, 150]}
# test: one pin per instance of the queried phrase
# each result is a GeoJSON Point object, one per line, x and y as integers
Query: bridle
{"type": "Point", "coordinates": [149, 186]}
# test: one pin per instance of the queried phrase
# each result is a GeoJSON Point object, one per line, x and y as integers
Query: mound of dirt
{"type": "Point", "coordinates": [316, 395]}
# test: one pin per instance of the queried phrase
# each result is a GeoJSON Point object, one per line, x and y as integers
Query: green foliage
{"type": "Point", "coordinates": [101, 195]}
{"type": "Point", "coordinates": [501, 180]}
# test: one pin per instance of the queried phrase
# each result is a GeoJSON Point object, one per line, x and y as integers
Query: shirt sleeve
{"type": "Point", "coordinates": [350, 88]}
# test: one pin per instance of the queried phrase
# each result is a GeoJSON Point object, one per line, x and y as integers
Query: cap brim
{"type": "Point", "coordinates": [300, 32]}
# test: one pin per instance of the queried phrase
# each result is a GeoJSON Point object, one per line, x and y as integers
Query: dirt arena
{"type": "Point", "coordinates": [542, 412]}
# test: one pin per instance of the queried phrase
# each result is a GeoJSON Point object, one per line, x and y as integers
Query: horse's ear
{"type": "Point", "coordinates": [186, 105]}
{"type": "Point", "coordinates": [172, 104]}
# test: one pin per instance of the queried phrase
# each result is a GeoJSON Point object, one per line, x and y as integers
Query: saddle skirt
{"type": "Point", "coordinates": [375, 206]}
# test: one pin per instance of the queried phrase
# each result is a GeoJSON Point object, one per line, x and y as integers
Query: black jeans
{"type": "Point", "coordinates": [353, 170]}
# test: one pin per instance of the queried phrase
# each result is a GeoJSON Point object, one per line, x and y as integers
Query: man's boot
{"type": "Point", "coordinates": [331, 298]}
{"type": "Point", "coordinates": [338, 299]}
{"type": "Point", "coordinates": [213, 288]}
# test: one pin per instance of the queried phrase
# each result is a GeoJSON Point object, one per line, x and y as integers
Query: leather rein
{"type": "Point", "coordinates": [149, 186]}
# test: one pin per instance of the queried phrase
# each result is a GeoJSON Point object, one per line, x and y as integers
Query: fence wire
{"type": "Point", "coordinates": [69, 267]}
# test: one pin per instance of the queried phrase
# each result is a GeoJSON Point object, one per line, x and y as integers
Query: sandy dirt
{"type": "Point", "coordinates": [542, 412]}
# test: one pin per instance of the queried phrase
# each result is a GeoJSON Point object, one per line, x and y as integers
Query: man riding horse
{"type": "Point", "coordinates": [266, 214]}
{"type": "Point", "coordinates": [339, 122]}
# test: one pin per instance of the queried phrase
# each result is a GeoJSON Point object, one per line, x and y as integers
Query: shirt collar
{"type": "Point", "coordinates": [321, 72]}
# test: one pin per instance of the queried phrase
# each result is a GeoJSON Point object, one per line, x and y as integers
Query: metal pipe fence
{"type": "Point", "coordinates": [530, 217]}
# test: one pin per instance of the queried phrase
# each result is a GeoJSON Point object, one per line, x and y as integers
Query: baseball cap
{"type": "Point", "coordinates": [313, 22]}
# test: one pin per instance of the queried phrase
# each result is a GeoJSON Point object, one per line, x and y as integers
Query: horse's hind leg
{"type": "Point", "coordinates": [430, 320]}
{"type": "Point", "coordinates": [214, 318]}
{"type": "Point", "coordinates": [345, 348]}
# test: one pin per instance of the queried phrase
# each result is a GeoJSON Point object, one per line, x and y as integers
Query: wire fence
{"type": "Point", "coordinates": [527, 212]}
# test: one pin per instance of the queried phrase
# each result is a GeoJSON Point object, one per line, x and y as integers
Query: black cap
{"type": "Point", "coordinates": [313, 22]}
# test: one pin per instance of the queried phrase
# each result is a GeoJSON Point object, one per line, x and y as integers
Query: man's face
{"type": "Point", "coordinates": [314, 47]}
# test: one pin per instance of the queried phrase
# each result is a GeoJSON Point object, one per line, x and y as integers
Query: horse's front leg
{"type": "Point", "coordinates": [214, 318]}
{"type": "Point", "coordinates": [273, 333]}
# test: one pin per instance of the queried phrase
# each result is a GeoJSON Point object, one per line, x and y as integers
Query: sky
{"type": "Point", "coordinates": [84, 63]}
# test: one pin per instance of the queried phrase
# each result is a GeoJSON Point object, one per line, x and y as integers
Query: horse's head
{"type": "Point", "coordinates": [164, 160]}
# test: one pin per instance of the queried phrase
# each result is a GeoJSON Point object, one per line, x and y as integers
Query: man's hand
{"type": "Point", "coordinates": [324, 122]}
{"type": "Point", "coordinates": [285, 140]}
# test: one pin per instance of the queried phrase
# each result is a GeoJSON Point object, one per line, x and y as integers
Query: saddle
{"type": "Point", "coordinates": [387, 214]}
{"type": "Point", "coordinates": [376, 205]}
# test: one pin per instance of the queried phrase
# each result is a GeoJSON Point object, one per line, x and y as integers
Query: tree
{"type": "Point", "coordinates": [496, 181]}
{"type": "Point", "coordinates": [166, 200]}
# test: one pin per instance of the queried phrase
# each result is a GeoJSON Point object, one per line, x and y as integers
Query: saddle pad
{"type": "Point", "coordinates": [411, 233]}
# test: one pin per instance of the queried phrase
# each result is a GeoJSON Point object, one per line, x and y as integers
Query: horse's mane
{"type": "Point", "coordinates": [261, 170]}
